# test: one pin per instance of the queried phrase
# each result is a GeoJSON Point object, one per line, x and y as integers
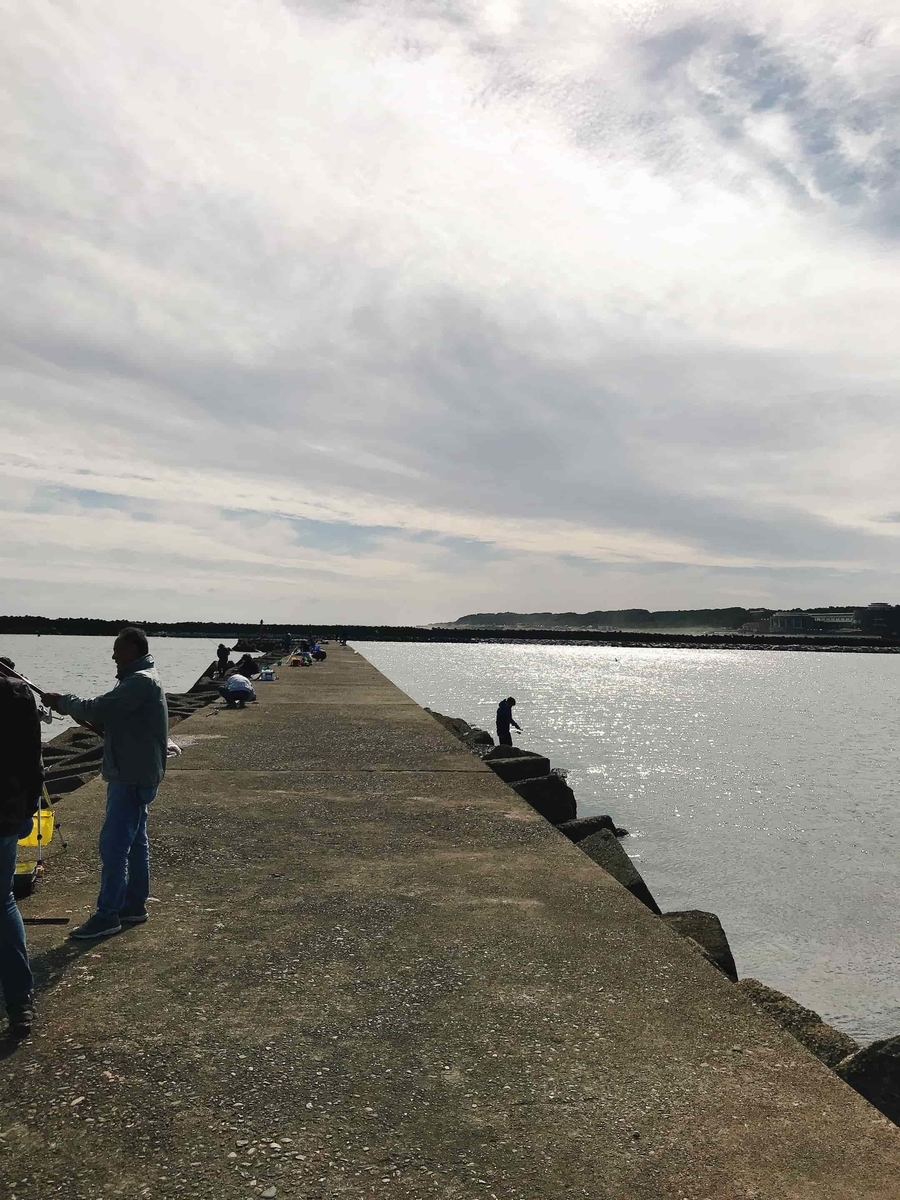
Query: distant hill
{"type": "Point", "coordinates": [621, 618]}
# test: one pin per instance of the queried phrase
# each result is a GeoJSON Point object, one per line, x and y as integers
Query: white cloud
{"type": "Point", "coordinates": [612, 282]}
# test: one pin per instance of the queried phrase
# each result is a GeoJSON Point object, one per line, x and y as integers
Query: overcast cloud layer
{"type": "Point", "coordinates": [393, 311]}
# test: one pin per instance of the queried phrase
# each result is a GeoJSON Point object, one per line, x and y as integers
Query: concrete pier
{"type": "Point", "coordinates": [372, 970]}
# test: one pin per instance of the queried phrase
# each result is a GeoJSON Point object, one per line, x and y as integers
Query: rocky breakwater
{"type": "Point", "coordinates": [873, 1071]}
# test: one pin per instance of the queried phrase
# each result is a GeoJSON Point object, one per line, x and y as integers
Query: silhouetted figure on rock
{"type": "Point", "coordinates": [504, 720]}
{"type": "Point", "coordinates": [222, 654]}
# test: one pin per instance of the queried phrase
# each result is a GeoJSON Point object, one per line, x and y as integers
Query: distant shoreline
{"type": "Point", "coordinates": [839, 643]}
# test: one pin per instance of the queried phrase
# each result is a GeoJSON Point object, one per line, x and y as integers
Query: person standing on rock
{"type": "Point", "coordinates": [504, 720]}
{"type": "Point", "coordinates": [222, 656]}
{"type": "Point", "coordinates": [135, 724]}
{"type": "Point", "coordinates": [21, 781]}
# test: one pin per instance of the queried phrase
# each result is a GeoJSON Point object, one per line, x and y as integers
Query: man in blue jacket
{"type": "Point", "coordinates": [135, 724]}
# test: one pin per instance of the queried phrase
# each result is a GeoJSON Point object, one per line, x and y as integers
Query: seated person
{"type": "Point", "coordinates": [237, 691]}
{"type": "Point", "coordinates": [246, 666]}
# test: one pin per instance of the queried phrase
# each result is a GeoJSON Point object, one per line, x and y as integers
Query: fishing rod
{"type": "Point", "coordinates": [46, 714]}
{"type": "Point", "coordinates": [8, 670]}
{"type": "Point", "coordinates": [11, 672]}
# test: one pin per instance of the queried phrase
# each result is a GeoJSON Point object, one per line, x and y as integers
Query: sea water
{"type": "Point", "coordinates": [84, 666]}
{"type": "Point", "coordinates": [762, 786]}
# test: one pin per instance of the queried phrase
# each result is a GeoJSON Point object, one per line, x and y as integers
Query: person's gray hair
{"type": "Point", "coordinates": [134, 637]}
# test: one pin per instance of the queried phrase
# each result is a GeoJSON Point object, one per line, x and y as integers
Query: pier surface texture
{"type": "Point", "coordinates": [371, 969]}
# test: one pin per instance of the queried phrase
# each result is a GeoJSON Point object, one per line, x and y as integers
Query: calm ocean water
{"type": "Point", "coordinates": [760, 786]}
{"type": "Point", "coordinates": [84, 665]}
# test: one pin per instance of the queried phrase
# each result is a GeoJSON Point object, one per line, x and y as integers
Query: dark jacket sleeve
{"type": "Point", "coordinates": [21, 766]}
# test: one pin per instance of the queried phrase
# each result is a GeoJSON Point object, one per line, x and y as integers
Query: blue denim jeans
{"type": "Point", "coordinates": [16, 982]}
{"type": "Point", "coordinates": [125, 850]}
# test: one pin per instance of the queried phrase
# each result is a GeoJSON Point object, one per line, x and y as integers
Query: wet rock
{"type": "Point", "coordinates": [477, 738]}
{"type": "Point", "coordinates": [455, 725]}
{"type": "Point", "coordinates": [511, 770]}
{"type": "Point", "coordinates": [706, 930]}
{"type": "Point", "coordinates": [581, 828]}
{"type": "Point", "coordinates": [510, 752]}
{"type": "Point", "coordinates": [874, 1072]}
{"type": "Point", "coordinates": [605, 850]}
{"type": "Point", "coordinates": [550, 795]}
{"type": "Point", "coordinates": [474, 738]}
{"type": "Point", "coordinates": [825, 1042]}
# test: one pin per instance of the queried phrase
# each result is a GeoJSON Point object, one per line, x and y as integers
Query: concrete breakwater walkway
{"type": "Point", "coordinates": [372, 969]}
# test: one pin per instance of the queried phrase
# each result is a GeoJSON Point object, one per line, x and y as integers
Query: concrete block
{"type": "Point", "coordinates": [511, 770]}
{"type": "Point", "coordinates": [825, 1042]}
{"type": "Point", "coordinates": [550, 795]}
{"type": "Point", "coordinates": [603, 848]}
{"type": "Point", "coordinates": [705, 928]}
{"type": "Point", "coordinates": [581, 828]}
{"type": "Point", "coordinates": [510, 752]}
{"type": "Point", "coordinates": [874, 1072]}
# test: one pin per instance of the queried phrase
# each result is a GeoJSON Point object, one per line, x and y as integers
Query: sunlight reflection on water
{"type": "Point", "coordinates": [757, 785]}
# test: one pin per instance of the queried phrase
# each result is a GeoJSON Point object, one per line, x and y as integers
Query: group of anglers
{"type": "Point", "coordinates": [133, 719]}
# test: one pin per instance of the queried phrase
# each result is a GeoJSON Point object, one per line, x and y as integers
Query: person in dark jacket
{"type": "Point", "coordinates": [21, 781]}
{"type": "Point", "coordinates": [135, 724]}
{"type": "Point", "coordinates": [247, 666]}
{"type": "Point", "coordinates": [504, 720]}
{"type": "Point", "coordinates": [44, 714]}
{"type": "Point", "coordinates": [222, 655]}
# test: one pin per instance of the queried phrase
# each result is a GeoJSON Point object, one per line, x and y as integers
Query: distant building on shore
{"type": "Point", "coordinates": [792, 621]}
{"type": "Point", "coordinates": [874, 620]}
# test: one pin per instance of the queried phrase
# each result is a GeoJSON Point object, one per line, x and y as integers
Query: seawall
{"type": "Point", "coordinates": [271, 637]}
{"type": "Point", "coordinates": [372, 969]}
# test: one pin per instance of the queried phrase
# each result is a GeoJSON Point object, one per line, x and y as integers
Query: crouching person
{"type": "Point", "coordinates": [21, 780]}
{"type": "Point", "coordinates": [237, 691]}
{"type": "Point", "coordinates": [135, 724]}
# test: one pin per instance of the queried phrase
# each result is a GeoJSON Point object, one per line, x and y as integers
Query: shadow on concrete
{"type": "Point", "coordinates": [9, 1045]}
{"type": "Point", "coordinates": [49, 966]}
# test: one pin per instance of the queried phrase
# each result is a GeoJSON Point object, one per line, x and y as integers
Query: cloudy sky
{"type": "Point", "coordinates": [402, 309]}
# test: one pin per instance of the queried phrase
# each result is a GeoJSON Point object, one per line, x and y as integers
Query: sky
{"type": "Point", "coordinates": [396, 310]}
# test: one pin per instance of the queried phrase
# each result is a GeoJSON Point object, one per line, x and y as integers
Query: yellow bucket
{"type": "Point", "coordinates": [46, 830]}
